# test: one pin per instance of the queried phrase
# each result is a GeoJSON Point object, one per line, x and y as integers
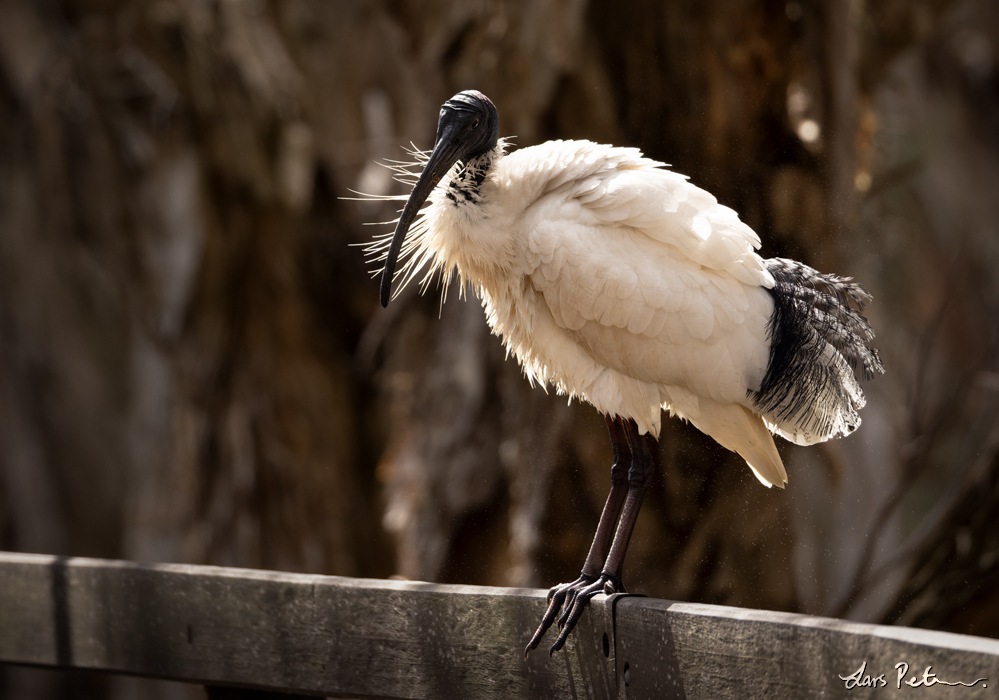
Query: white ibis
{"type": "Point", "coordinates": [626, 286]}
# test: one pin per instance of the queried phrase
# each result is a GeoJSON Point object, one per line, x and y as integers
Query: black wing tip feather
{"type": "Point", "coordinates": [803, 383]}
{"type": "Point", "coordinates": [844, 289]}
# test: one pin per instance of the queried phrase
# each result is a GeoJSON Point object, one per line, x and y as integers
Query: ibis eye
{"type": "Point", "coordinates": [475, 124]}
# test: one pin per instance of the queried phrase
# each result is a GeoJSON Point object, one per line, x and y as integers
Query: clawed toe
{"type": "Point", "coordinates": [559, 597]}
{"type": "Point", "coordinates": [571, 613]}
{"type": "Point", "coordinates": [567, 602]}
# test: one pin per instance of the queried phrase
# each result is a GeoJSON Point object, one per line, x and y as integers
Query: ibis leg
{"type": "Point", "coordinates": [564, 594]}
{"type": "Point", "coordinates": [643, 467]}
{"type": "Point", "coordinates": [615, 499]}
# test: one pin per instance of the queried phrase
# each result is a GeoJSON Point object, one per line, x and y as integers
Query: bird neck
{"type": "Point", "coordinates": [465, 227]}
{"type": "Point", "coordinates": [466, 185]}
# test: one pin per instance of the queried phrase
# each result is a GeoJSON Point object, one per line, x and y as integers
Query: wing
{"type": "Point", "coordinates": [667, 208]}
{"type": "Point", "coordinates": [655, 279]}
{"type": "Point", "coordinates": [621, 187]}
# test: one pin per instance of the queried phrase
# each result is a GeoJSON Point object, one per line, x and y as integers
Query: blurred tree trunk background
{"type": "Point", "coordinates": [194, 366]}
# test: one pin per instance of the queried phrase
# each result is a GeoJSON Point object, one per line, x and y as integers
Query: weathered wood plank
{"type": "Point", "coordinates": [696, 651]}
{"type": "Point", "coordinates": [323, 635]}
{"type": "Point", "coordinates": [334, 636]}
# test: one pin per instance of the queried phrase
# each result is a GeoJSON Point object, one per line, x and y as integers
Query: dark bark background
{"type": "Point", "coordinates": [194, 366]}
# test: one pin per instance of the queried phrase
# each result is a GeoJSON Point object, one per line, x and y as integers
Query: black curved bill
{"type": "Point", "coordinates": [447, 151]}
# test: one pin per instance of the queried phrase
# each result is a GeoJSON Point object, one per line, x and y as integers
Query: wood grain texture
{"type": "Point", "coordinates": [691, 651]}
{"type": "Point", "coordinates": [334, 636]}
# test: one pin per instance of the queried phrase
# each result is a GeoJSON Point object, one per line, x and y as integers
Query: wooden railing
{"type": "Point", "coordinates": [325, 635]}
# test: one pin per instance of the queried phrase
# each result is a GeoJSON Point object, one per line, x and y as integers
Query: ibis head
{"type": "Point", "coordinates": [468, 126]}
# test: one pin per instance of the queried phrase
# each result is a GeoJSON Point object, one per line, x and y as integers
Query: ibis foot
{"type": "Point", "coordinates": [576, 602]}
{"type": "Point", "coordinates": [570, 600]}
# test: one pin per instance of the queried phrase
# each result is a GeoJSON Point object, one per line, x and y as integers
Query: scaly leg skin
{"type": "Point", "coordinates": [571, 599]}
{"type": "Point", "coordinates": [643, 466]}
{"type": "Point", "coordinates": [564, 594]}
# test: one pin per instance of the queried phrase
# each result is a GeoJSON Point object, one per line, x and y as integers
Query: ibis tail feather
{"type": "Point", "coordinates": [819, 344]}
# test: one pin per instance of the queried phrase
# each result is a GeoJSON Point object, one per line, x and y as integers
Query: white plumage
{"type": "Point", "coordinates": [619, 282]}
{"type": "Point", "coordinates": [623, 284]}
